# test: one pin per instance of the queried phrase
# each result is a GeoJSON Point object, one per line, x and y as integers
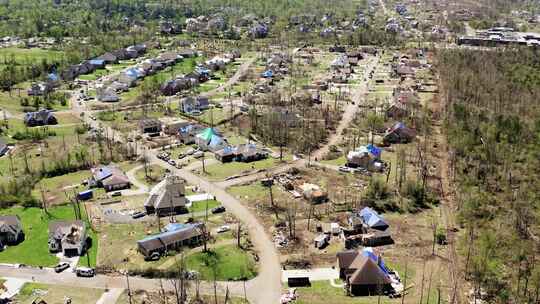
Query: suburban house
{"type": "Point", "coordinates": [39, 89]}
{"type": "Point", "coordinates": [249, 153]}
{"type": "Point", "coordinates": [399, 133]}
{"type": "Point", "coordinates": [39, 118]}
{"type": "Point", "coordinates": [175, 237]}
{"type": "Point", "coordinates": [98, 63]}
{"type": "Point", "coordinates": [210, 140]}
{"type": "Point", "coordinates": [397, 110]}
{"type": "Point", "coordinates": [167, 197]}
{"type": "Point", "coordinates": [372, 219]}
{"type": "Point", "coordinates": [187, 133]}
{"type": "Point", "coordinates": [225, 155]}
{"type": "Point", "coordinates": [150, 125]}
{"type": "Point", "coordinates": [3, 147]}
{"type": "Point", "coordinates": [242, 153]}
{"type": "Point", "coordinates": [109, 58]}
{"type": "Point", "coordinates": [110, 178]}
{"type": "Point", "coordinates": [367, 157]}
{"type": "Point", "coordinates": [190, 104]}
{"type": "Point", "coordinates": [68, 237]}
{"type": "Point", "coordinates": [107, 94]}
{"type": "Point", "coordinates": [11, 230]}
{"type": "Point", "coordinates": [363, 272]}
{"type": "Point", "coordinates": [173, 127]}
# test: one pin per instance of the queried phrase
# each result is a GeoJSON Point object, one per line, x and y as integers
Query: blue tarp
{"type": "Point", "coordinates": [174, 227]}
{"type": "Point", "coordinates": [215, 141]}
{"type": "Point", "coordinates": [374, 150]}
{"type": "Point", "coordinates": [268, 74]}
{"type": "Point", "coordinates": [52, 77]}
{"type": "Point", "coordinates": [372, 219]}
{"type": "Point", "coordinates": [134, 73]}
{"type": "Point", "coordinates": [97, 62]}
{"type": "Point", "coordinates": [168, 233]}
{"type": "Point", "coordinates": [103, 173]}
{"type": "Point", "coordinates": [85, 195]}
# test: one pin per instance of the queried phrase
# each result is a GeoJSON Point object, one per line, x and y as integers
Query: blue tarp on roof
{"type": "Point", "coordinates": [174, 227]}
{"type": "Point", "coordinates": [168, 233]}
{"type": "Point", "coordinates": [97, 62]}
{"type": "Point", "coordinates": [103, 173]}
{"type": "Point", "coordinates": [215, 141]}
{"type": "Point", "coordinates": [185, 129]}
{"type": "Point", "coordinates": [228, 149]}
{"type": "Point", "coordinates": [372, 219]}
{"type": "Point", "coordinates": [368, 252]}
{"type": "Point", "coordinates": [370, 255]}
{"type": "Point", "coordinates": [134, 73]}
{"type": "Point", "coordinates": [52, 77]}
{"type": "Point", "coordinates": [202, 70]}
{"type": "Point", "coordinates": [374, 150]}
{"type": "Point", "coordinates": [268, 74]}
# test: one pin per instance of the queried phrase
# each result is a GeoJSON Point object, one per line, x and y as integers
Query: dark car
{"type": "Point", "coordinates": [137, 215]}
{"type": "Point", "coordinates": [219, 209]}
{"type": "Point", "coordinates": [117, 193]}
{"type": "Point", "coordinates": [61, 267]}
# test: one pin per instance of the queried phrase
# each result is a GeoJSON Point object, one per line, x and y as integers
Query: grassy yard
{"type": "Point", "coordinates": [119, 246]}
{"type": "Point", "coordinates": [142, 296]}
{"type": "Point", "coordinates": [222, 171]}
{"type": "Point", "coordinates": [255, 191]}
{"type": "Point", "coordinates": [155, 173]}
{"type": "Point", "coordinates": [55, 294]}
{"type": "Point", "coordinates": [34, 250]}
{"type": "Point", "coordinates": [321, 292]}
{"type": "Point", "coordinates": [24, 56]}
{"type": "Point", "coordinates": [201, 206]}
{"type": "Point", "coordinates": [228, 262]}
{"type": "Point", "coordinates": [340, 161]}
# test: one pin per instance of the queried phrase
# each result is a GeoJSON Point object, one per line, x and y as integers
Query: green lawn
{"type": "Point", "coordinates": [95, 75]}
{"type": "Point", "coordinates": [214, 116]}
{"type": "Point", "coordinates": [201, 206]}
{"type": "Point", "coordinates": [55, 294]}
{"type": "Point", "coordinates": [155, 173]}
{"type": "Point", "coordinates": [34, 250]}
{"type": "Point", "coordinates": [255, 191]}
{"type": "Point", "coordinates": [227, 262]}
{"type": "Point", "coordinates": [25, 57]}
{"type": "Point", "coordinates": [222, 171]}
{"type": "Point", "coordinates": [321, 292]}
{"type": "Point", "coordinates": [340, 161]}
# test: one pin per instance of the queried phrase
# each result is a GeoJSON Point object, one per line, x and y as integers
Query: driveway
{"type": "Point", "coordinates": [316, 274]}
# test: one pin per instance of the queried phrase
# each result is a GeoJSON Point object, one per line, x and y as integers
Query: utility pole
{"type": "Point", "coordinates": [128, 287]}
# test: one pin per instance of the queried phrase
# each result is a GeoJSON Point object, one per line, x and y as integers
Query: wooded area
{"type": "Point", "coordinates": [493, 127]}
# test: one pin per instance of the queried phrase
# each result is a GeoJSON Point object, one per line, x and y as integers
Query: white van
{"type": "Point", "coordinates": [85, 272]}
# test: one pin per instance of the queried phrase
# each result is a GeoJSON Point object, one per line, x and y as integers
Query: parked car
{"type": "Point", "coordinates": [198, 154]}
{"type": "Point", "coordinates": [219, 209]}
{"type": "Point", "coordinates": [85, 272]}
{"type": "Point", "coordinates": [172, 162]}
{"type": "Point", "coordinates": [117, 193]}
{"type": "Point", "coordinates": [61, 267]}
{"type": "Point", "coordinates": [153, 257]}
{"type": "Point", "coordinates": [137, 215]}
{"type": "Point", "coordinates": [196, 113]}
{"type": "Point", "coordinates": [223, 228]}
{"type": "Point", "coordinates": [181, 155]}
{"type": "Point", "coordinates": [190, 151]}
{"type": "Point", "coordinates": [344, 169]}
